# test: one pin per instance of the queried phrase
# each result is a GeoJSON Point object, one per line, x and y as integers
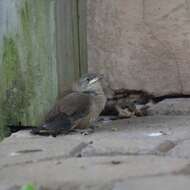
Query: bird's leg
{"type": "Point", "coordinates": [92, 128]}
{"type": "Point", "coordinates": [86, 131]}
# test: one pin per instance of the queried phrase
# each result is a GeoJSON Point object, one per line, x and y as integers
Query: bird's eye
{"type": "Point", "coordinates": [88, 79]}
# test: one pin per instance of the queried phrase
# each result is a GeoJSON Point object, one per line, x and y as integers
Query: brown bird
{"type": "Point", "coordinates": [77, 110]}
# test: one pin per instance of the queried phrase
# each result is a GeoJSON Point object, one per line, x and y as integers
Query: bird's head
{"type": "Point", "coordinates": [88, 83]}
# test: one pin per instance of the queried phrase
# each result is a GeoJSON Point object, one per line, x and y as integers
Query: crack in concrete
{"type": "Point", "coordinates": [76, 155]}
{"type": "Point", "coordinates": [115, 154]}
{"type": "Point", "coordinates": [175, 9]}
{"type": "Point", "coordinates": [169, 51]}
{"type": "Point", "coordinates": [75, 152]}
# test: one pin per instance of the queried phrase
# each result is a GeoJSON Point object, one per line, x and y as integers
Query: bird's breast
{"type": "Point", "coordinates": [97, 106]}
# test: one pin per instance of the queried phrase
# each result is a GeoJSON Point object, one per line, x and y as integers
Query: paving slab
{"type": "Point", "coordinates": [182, 150]}
{"type": "Point", "coordinates": [116, 152]}
{"type": "Point", "coordinates": [172, 106]}
{"type": "Point", "coordinates": [156, 183]}
{"type": "Point", "coordinates": [23, 147]}
{"type": "Point", "coordinates": [85, 171]}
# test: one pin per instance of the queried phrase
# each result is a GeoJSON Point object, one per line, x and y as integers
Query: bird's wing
{"type": "Point", "coordinates": [74, 105]}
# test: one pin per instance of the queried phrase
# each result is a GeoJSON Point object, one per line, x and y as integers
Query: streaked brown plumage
{"type": "Point", "coordinates": [77, 110]}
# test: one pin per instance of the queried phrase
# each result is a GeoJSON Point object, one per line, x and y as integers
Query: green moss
{"type": "Point", "coordinates": [28, 78]}
{"type": "Point", "coordinates": [15, 98]}
{"type": "Point", "coordinates": [38, 40]}
{"type": "Point", "coordinates": [25, 18]}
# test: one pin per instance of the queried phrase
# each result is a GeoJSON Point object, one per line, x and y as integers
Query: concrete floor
{"type": "Point", "coordinates": [138, 153]}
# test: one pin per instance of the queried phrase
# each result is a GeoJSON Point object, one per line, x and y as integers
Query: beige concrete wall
{"type": "Point", "coordinates": [141, 44]}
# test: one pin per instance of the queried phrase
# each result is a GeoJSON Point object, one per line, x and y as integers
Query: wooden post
{"type": "Point", "coordinates": [71, 41]}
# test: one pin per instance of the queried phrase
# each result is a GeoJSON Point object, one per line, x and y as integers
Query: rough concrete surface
{"type": "Point", "coordinates": [141, 44]}
{"type": "Point", "coordinates": [179, 106]}
{"type": "Point", "coordinates": [138, 153]}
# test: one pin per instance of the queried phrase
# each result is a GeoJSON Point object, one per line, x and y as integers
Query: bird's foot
{"type": "Point", "coordinates": [88, 131]}
{"type": "Point", "coordinates": [84, 132]}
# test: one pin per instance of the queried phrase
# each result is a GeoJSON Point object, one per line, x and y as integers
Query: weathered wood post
{"type": "Point", "coordinates": [42, 50]}
{"type": "Point", "coordinates": [71, 41]}
{"type": "Point", "coordinates": [28, 75]}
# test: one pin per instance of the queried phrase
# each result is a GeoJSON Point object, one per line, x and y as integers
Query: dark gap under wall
{"type": "Point", "coordinates": [137, 97]}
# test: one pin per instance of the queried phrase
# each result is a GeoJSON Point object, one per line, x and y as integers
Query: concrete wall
{"type": "Point", "coordinates": [141, 44]}
{"type": "Point", "coordinates": [28, 78]}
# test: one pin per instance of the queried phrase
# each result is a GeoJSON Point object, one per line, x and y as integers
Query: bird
{"type": "Point", "coordinates": [77, 110]}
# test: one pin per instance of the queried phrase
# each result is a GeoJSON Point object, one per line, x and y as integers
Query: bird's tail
{"type": "Point", "coordinates": [53, 128]}
{"type": "Point", "coordinates": [19, 127]}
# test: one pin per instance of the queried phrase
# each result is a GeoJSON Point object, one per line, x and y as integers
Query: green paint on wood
{"type": "Point", "coordinates": [11, 83]}
{"type": "Point", "coordinates": [16, 97]}
{"type": "Point", "coordinates": [28, 75]}
{"type": "Point", "coordinates": [38, 55]}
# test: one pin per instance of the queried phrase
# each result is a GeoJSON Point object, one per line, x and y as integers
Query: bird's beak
{"type": "Point", "coordinates": [99, 77]}
{"type": "Point", "coordinates": [94, 80]}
